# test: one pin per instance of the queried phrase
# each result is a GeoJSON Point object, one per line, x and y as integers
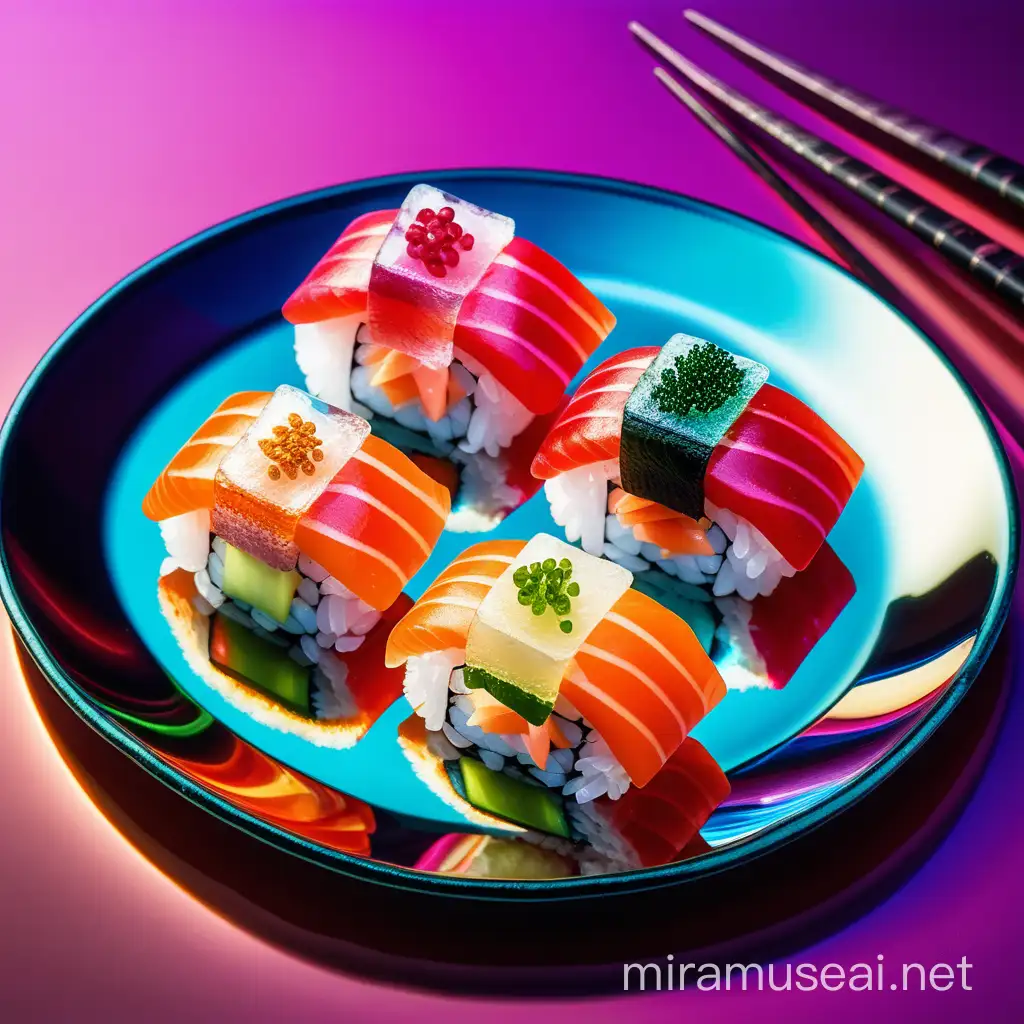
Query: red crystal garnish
{"type": "Point", "coordinates": [433, 238]}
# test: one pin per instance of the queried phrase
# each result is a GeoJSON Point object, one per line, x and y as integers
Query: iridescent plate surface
{"type": "Point", "coordinates": [929, 537]}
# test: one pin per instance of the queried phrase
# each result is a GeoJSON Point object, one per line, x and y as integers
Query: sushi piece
{"type": "Point", "coordinates": [439, 317]}
{"type": "Point", "coordinates": [763, 642]}
{"type": "Point", "coordinates": [299, 530]}
{"type": "Point", "coordinates": [684, 458]}
{"type": "Point", "coordinates": [331, 702]}
{"type": "Point", "coordinates": [541, 682]}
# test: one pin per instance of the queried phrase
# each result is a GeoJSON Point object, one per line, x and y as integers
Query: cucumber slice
{"type": "Point", "coordinates": [534, 705]}
{"type": "Point", "coordinates": [267, 667]}
{"type": "Point", "coordinates": [497, 794]}
{"type": "Point", "coordinates": [254, 582]}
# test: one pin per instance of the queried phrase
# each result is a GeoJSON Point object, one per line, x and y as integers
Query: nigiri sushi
{"type": "Point", "coordinates": [537, 663]}
{"type": "Point", "coordinates": [685, 458]}
{"type": "Point", "coordinates": [438, 316]}
{"type": "Point", "coordinates": [299, 530]}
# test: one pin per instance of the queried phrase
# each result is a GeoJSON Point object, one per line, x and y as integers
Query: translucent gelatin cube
{"type": "Point", "coordinates": [279, 467]}
{"type": "Point", "coordinates": [520, 656]}
{"type": "Point", "coordinates": [676, 415]}
{"type": "Point", "coordinates": [434, 255]}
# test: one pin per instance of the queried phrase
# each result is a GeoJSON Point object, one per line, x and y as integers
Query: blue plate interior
{"type": "Point", "coordinates": [934, 508]}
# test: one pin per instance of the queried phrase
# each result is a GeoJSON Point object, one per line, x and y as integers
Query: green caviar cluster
{"type": "Point", "coordinates": [702, 380]}
{"type": "Point", "coordinates": [544, 585]}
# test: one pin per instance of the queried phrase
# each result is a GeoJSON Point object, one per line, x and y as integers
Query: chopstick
{"type": "Point", "coordinates": [965, 318]}
{"type": "Point", "coordinates": [997, 267]}
{"type": "Point", "coordinates": [836, 240]}
{"type": "Point", "coordinates": [999, 174]}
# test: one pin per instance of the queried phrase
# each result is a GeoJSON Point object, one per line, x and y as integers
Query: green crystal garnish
{"type": "Point", "coordinates": [544, 585]}
{"type": "Point", "coordinates": [702, 380]}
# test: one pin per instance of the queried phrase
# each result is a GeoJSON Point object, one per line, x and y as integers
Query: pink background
{"type": "Point", "coordinates": [127, 126]}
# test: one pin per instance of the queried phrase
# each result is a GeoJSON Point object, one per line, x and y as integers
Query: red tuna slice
{"type": "Point", "coordinates": [338, 284]}
{"type": "Point", "coordinates": [590, 428]}
{"type": "Point", "coordinates": [785, 470]}
{"type": "Point", "coordinates": [531, 324]}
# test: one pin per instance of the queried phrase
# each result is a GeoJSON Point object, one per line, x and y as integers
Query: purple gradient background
{"type": "Point", "coordinates": [127, 126]}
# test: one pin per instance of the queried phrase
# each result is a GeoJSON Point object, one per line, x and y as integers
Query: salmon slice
{"type": "Point", "coordinates": [400, 390]}
{"type": "Point", "coordinates": [493, 717]}
{"type": "Point", "coordinates": [590, 427]}
{"type": "Point", "coordinates": [392, 366]}
{"type": "Point", "coordinates": [676, 536]}
{"type": "Point", "coordinates": [529, 322]}
{"type": "Point", "coordinates": [376, 523]}
{"type": "Point", "coordinates": [673, 532]}
{"type": "Point", "coordinates": [433, 389]}
{"type": "Point", "coordinates": [643, 681]}
{"type": "Point", "coordinates": [440, 619]}
{"type": "Point", "coordinates": [186, 484]}
{"type": "Point", "coordinates": [441, 470]}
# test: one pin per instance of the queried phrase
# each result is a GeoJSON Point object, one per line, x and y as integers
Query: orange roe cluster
{"type": "Point", "coordinates": [292, 448]}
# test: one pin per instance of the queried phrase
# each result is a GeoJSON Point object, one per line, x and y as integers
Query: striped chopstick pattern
{"type": "Point", "coordinates": [999, 174]}
{"type": "Point", "coordinates": [992, 264]}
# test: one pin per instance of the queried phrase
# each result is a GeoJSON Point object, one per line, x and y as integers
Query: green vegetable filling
{"type": "Point", "coordinates": [533, 706]}
{"type": "Point", "coordinates": [256, 661]}
{"type": "Point", "coordinates": [531, 806]}
{"type": "Point", "coordinates": [248, 579]}
{"type": "Point", "coordinates": [544, 585]}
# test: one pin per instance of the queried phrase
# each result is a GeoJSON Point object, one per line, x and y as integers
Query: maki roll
{"type": "Point", "coordinates": [296, 530]}
{"type": "Point", "coordinates": [543, 684]}
{"type": "Point", "coordinates": [439, 317]}
{"type": "Point", "coordinates": [686, 459]}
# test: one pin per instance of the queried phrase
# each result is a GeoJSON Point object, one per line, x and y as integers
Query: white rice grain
{"type": "Point", "coordinates": [347, 644]}
{"type": "Point", "coordinates": [310, 648]}
{"type": "Point", "coordinates": [324, 353]}
{"type": "Point", "coordinates": [493, 761]}
{"type": "Point", "coordinates": [309, 592]}
{"type": "Point", "coordinates": [304, 614]}
{"type": "Point", "coordinates": [426, 684]}
{"type": "Point", "coordinates": [213, 595]}
{"type": "Point", "coordinates": [329, 585]}
{"type": "Point", "coordinates": [187, 539]}
{"type": "Point", "coordinates": [316, 572]}
{"type": "Point", "coordinates": [578, 501]}
{"type": "Point", "coordinates": [263, 620]}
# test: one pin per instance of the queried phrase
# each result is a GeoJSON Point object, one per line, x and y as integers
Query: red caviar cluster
{"type": "Point", "coordinates": [435, 238]}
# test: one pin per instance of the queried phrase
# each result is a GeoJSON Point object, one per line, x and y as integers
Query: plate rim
{"type": "Point", "coordinates": [395, 876]}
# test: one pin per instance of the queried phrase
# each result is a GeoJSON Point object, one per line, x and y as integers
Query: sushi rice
{"type": "Point", "coordinates": [584, 771]}
{"type": "Point", "coordinates": [334, 355]}
{"type": "Point", "coordinates": [744, 560]}
{"type": "Point", "coordinates": [325, 617]}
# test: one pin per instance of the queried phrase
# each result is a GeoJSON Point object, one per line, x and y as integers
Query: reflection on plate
{"type": "Point", "coordinates": [928, 540]}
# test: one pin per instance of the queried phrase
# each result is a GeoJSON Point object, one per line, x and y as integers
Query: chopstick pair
{"type": "Point", "coordinates": [1001, 175]}
{"type": "Point", "coordinates": [994, 265]}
